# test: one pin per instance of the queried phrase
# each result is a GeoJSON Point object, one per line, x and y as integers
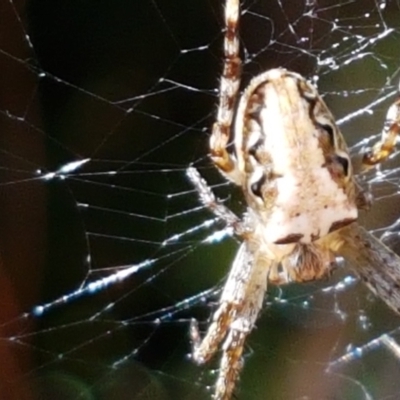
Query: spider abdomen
{"type": "Point", "coordinates": [294, 161]}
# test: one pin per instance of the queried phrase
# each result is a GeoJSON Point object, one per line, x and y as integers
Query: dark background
{"type": "Point", "coordinates": [76, 94]}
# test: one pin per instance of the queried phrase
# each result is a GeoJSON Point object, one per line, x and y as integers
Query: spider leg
{"type": "Point", "coordinates": [391, 130]}
{"type": "Point", "coordinates": [208, 198]}
{"type": "Point", "coordinates": [231, 364]}
{"type": "Point", "coordinates": [376, 265]}
{"type": "Point", "coordinates": [240, 303]}
{"type": "Point", "coordinates": [243, 324]}
{"type": "Point", "coordinates": [228, 91]}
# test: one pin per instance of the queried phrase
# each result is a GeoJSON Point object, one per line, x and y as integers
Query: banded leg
{"type": "Point", "coordinates": [228, 91]}
{"type": "Point", "coordinates": [391, 130]}
{"type": "Point", "coordinates": [239, 306]}
{"type": "Point", "coordinates": [376, 265]}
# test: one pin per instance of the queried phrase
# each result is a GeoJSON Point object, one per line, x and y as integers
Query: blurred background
{"type": "Point", "coordinates": [131, 88]}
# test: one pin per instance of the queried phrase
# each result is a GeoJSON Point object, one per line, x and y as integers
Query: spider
{"type": "Point", "coordinates": [293, 166]}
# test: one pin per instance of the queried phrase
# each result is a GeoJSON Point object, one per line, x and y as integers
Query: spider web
{"type": "Point", "coordinates": [106, 252]}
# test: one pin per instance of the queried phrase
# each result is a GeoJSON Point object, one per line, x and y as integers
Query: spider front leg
{"type": "Point", "coordinates": [239, 306]}
{"type": "Point", "coordinates": [391, 130]}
